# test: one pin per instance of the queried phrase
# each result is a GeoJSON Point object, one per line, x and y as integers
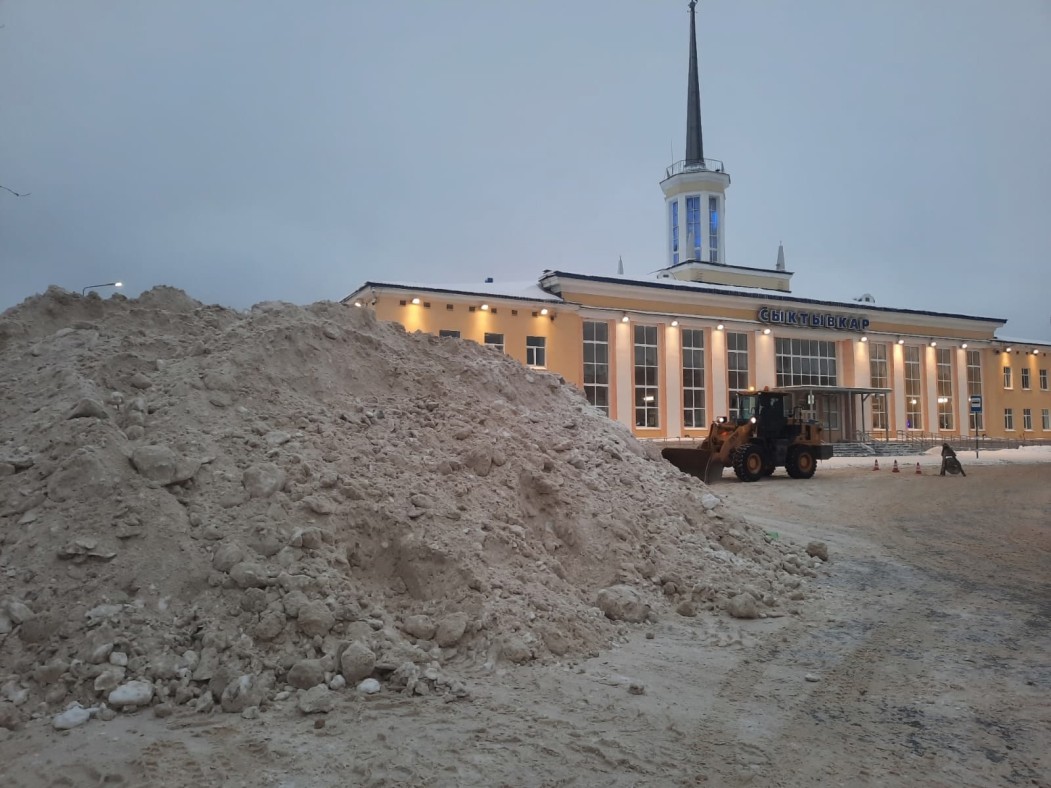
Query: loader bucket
{"type": "Point", "coordinates": [696, 462]}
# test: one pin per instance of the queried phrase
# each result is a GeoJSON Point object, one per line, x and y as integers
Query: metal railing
{"type": "Point", "coordinates": [704, 165]}
{"type": "Point", "coordinates": [925, 440]}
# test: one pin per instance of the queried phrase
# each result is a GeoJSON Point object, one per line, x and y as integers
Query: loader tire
{"type": "Point", "coordinates": [749, 463]}
{"type": "Point", "coordinates": [800, 463]}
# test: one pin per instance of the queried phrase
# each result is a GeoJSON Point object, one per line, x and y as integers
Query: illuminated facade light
{"type": "Point", "coordinates": [543, 311]}
{"type": "Point", "coordinates": [416, 300]}
{"type": "Point", "coordinates": [766, 331]}
{"type": "Point", "coordinates": [674, 323]}
{"type": "Point", "coordinates": [964, 346]}
{"type": "Point", "coordinates": [864, 339]}
{"type": "Point", "coordinates": [624, 319]}
{"type": "Point", "coordinates": [933, 343]}
{"type": "Point", "coordinates": [719, 327]}
{"type": "Point", "coordinates": [485, 307]}
{"type": "Point", "coordinates": [357, 303]}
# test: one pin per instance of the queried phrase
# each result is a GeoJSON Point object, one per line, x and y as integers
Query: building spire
{"type": "Point", "coordinates": [781, 256]}
{"type": "Point", "coordinates": [694, 139]}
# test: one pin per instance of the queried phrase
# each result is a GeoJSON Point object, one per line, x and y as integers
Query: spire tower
{"type": "Point", "coordinates": [695, 188]}
{"type": "Point", "coordinates": [694, 136]}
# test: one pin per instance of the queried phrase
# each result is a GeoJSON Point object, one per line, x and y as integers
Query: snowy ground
{"type": "Point", "coordinates": [932, 458]}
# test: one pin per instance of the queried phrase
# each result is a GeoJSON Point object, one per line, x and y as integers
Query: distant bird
{"type": "Point", "coordinates": [17, 194]}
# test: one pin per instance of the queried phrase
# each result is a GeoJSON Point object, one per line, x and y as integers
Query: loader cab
{"type": "Point", "coordinates": [768, 410]}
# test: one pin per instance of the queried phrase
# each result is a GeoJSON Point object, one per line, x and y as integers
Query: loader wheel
{"type": "Point", "coordinates": [800, 463]}
{"type": "Point", "coordinates": [749, 463]}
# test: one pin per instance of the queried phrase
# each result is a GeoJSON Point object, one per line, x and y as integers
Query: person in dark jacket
{"type": "Point", "coordinates": [949, 461]}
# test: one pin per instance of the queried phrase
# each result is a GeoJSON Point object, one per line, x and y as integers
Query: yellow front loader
{"type": "Point", "coordinates": [766, 436]}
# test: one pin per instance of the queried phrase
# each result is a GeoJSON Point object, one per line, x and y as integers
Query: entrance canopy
{"type": "Point", "coordinates": [846, 400]}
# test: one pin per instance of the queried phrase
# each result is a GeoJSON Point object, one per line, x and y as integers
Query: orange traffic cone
{"type": "Point", "coordinates": [876, 466]}
{"type": "Point", "coordinates": [895, 468]}
{"type": "Point", "coordinates": [918, 471]}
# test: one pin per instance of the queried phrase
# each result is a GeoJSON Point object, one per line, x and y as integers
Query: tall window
{"type": "Point", "coordinates": [880, 379]}
{"type": "Point", "coordinates": [944, 377]}
{"type": "Point", "coordinates": [693, 378]}
{"type": "Point", "coordinates": [673, 206]}
{"type": "Point", "coordinates": [1045, 419]}
{"type": "Point", "coordinates": [974, 386]}
{"type": "Point", "coordinates": [832, 413]}
{"type": "Point", "coordinates": [913, 389]}
{"type": "Point", "coordinates": [1025, 378]}
{"type": "Point", "coordinates": [805, 362]}
{"type": "Point", "coordinates": [495, 341]}
{"type": "Point", "coordinates": [736, 368]}
{"type": "Point", "coordinates": [1009, 418]}
{"type": "Point", "coordinates": [596, 364]}
{"type": "Point", "coordinates": [536, 351]}
{"type": "Point", "coordinates": [1007, 377]}
{"type": "Point", "coordinates": [693, 226]}
{"type": "Point", "coordinates": [1043, 380]}
{"type": "Point", "coordinates": [646, 393]}
{"type": "Point", "coordinates": [713, 229]}
{"type": "Point", "coordinates": [1027, 419]}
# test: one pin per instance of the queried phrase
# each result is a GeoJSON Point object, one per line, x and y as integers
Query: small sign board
{"type": "Point", "coordinates": [976, 403]}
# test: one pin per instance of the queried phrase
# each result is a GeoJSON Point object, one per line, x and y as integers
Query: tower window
{"type": "Point", "coordinates": [673, 217]}
{"type": "Point", "coordinates": [713, 229]}
{"type": "Point", "coordinates": [693, 226]}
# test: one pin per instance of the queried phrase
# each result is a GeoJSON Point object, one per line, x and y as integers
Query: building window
{"type": "Point", "coordinates": [1007, 377]}
{"type": "Point", "coordinates": [713, 229]}
{"type": "Point", "coordinates": [596, 364]}
{"type": "Point", "coordinates": [693, 226]}
{"type": "Point", "coordinates": [805, 362]}
{"type": "Point", "coordinates": [832, 412]}
{"type": "Point", "coordinates": [1027, 419]}
{"type": "Point", "coordinates": [974, 386]}
{"type": "Point", "coordinates": [736, 368]}
{"type": "Point", "coordinates": [946, 418]}
{"type": "Point", "coordinates": [913, 390]}
{"type": "Point", "coordinates": [1009, 418]}
{"type": "Point", "coordinates": [879, 376]}
{"type": "Point", "coordinates": [1045, 419]}
{"type": "Point", "coordinates": [646, 394]}
{"type": "Point", "coordinates": [1043, 380]}
{"type": "Point", "coordinates": [1025, 378]}
{"type": "Point", "coordinates": [448, 332]}
{"type": "Point", "coordinates": [495, 341]}
{"type": "Point", "coordinates": [536, 351]}
{"type": "Point", "coordinates": [693, 414]}
{"type": "Point", "coordinates": [673, 206]}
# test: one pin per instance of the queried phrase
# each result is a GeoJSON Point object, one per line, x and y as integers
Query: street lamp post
{"type": "Point", "coordinates": [104, 284]}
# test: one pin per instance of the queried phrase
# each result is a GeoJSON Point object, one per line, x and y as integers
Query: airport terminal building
{"type": "Point", "coordinates": [668, 353]}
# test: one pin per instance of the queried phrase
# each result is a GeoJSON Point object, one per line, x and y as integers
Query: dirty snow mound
{"type": "Point", "coordinates": [208, 507]}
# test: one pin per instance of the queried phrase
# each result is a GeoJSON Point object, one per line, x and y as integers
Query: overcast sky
{"type": "Point", "coordinates": [248, 151]}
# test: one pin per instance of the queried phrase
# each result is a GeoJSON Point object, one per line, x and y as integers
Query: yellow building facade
{"type": "Point", "coordinates": [666, 354]}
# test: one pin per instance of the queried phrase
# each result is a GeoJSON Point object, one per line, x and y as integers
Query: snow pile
{"type": "Point", "coordinates": [206, 507]}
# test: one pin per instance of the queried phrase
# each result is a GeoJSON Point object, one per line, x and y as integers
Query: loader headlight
{"type": "Point", "coordinates": [752, 419]}
{"type": "Point", "coordinates": [721, 420]}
